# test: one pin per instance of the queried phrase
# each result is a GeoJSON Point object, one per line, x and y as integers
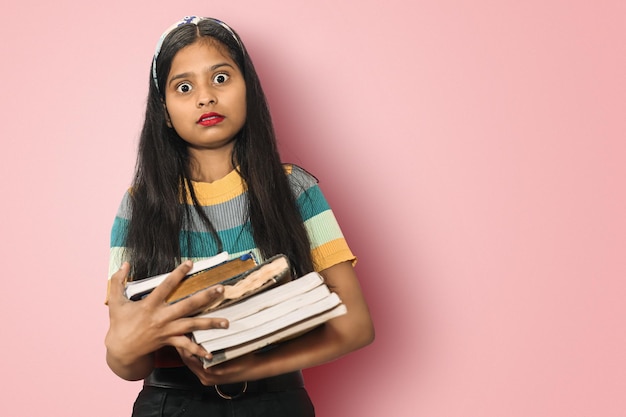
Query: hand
{"type": "Point", "coordinates": [138, 328]}
{"type": "Point", "coordinates": [236, 370]}
{"type": "Point", "coordinates": [194, 363]}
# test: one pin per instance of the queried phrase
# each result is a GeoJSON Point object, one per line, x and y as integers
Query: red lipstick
{"type": "Point", "coordinates": [210, 119]}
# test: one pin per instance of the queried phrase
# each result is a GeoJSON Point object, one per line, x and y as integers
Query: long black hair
{"type": "Point", "coordinates": [162, 176]}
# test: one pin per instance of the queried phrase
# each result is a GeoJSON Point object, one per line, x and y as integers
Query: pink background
{"type": "Point", "coordinates": [472, 150]}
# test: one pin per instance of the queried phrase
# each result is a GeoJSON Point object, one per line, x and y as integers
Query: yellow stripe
{"type": "Point", "coordinates": [332, 253]}
{"type": "Point", "coordinates": [220, 191]}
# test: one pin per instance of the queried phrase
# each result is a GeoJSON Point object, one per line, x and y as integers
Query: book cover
{"type": "Point", "coordinates": [205, 273]}
{"type": "Point", "coordinates": [224, 272]}
{"type": "Point", "coordinates": [273, 272]}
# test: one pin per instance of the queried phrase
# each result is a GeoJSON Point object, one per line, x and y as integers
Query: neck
{"type": "Point", "coordinates": [209, 165]}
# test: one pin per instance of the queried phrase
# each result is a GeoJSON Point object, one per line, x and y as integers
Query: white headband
{"type": "Point", "coordinates": [193, 20]}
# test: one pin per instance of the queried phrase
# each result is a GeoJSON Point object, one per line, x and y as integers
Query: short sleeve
{"type": "Point", "coordinates": [328, 244]}
{"type": "Point", "coordinates": [117, 248]}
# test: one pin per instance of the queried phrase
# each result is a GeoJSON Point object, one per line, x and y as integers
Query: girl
{"type": "Point", "coordinates": [209, 178]}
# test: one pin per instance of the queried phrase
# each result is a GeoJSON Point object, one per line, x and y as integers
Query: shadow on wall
{"type": "Point", "coordinates": [381, 267]}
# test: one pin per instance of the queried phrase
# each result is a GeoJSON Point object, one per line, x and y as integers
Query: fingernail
{"type": "Point", "coordinates": [219, 289]}
{"type": "Point", "coordinates": [188, 263]}
{"type": "Point", "coordinates": [223, 324]}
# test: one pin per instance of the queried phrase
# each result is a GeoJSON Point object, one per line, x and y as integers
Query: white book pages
{"type": "Point", "coordinates": [296, 329]}
{"type": "Point", "coordinates": [307, 311]}
{"type": "Point", "coordinates": [265, 315]}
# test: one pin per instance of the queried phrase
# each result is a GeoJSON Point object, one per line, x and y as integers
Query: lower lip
{"type": "Point", "coordinates": [211, 122]}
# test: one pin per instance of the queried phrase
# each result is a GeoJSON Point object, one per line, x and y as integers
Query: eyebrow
{"type": "Point", "coordinates": [188, 74]}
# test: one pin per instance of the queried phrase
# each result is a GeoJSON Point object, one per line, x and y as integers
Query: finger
{"type": "Point", "coordinates": [191, 324]}
{"type": "Point", "coordinates": [192, 357]}
{"type": "Point", "coordinates": [165, 288]}
{"type": "Point", "coordinates": [198, 302]}
{"type": "Point", "coordinates": [194, 363]}
{"type": "Point", "coordinates": [188, 347]}
{"type": "Point", "coordinates": [117, 284]}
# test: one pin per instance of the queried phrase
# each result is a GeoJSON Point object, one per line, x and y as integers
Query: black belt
{"type": "Point", "coordinates": [182, 378]}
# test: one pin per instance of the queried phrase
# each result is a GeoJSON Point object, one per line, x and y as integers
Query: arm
{"type": "Point", "coordinates": [336, 338]}
{"type": "Point", "coordinates": [138, 328]}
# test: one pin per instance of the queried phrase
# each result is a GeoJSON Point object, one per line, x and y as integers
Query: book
{"type": "Point", "coordinates": [273, 272]}
{"type": "Point", "coordinates": [140, 288]}
{"type": "Point", "coordinates": [273, 338]}
{"type": "Point", "coordinates": [203, 274]}
{"type": "Point", "coordinates": [220, 273]}
{"type": "Point", "coordinates": [263, 302]}
{"type": "Point", "coordinates": [277, 322]}
{"type": "Point", "coordinates": [278, 313]}
{"type": "Point", "coordinates": [267, 299]}
{"type": "Point", "coordinates": [265, 307]}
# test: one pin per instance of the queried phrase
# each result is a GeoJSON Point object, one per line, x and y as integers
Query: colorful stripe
{"type": "Point", "coordinates": [225, 203]}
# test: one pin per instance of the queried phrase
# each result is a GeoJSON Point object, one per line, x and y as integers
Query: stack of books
{"type": "Point", "coordinates": [263, 303]}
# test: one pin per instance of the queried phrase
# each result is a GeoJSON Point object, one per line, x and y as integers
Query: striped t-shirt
{"type": "Point", "coordinates": [225, 203]}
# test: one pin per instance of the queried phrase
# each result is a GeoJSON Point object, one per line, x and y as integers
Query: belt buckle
{"type": "Point", "coordinates": [231, 397]}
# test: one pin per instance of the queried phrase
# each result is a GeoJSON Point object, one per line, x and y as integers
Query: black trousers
{"type": "Point", "coordinates": [176, 392]}
{"type": "Point", "coordinates": [167, 402]}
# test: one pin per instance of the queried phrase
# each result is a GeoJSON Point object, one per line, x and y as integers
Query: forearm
{"type": "Point", "coordinates": [328, 342]}
{"type": "Point", "coordinates": [322, 345]}
{"type": "Point", "coordinates": [139, 328]}
{"type": "Point", "coordinates": [128, 368]}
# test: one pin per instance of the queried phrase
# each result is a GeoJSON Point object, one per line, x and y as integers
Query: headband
{"type": "Point", "coordinates": [187, 20]}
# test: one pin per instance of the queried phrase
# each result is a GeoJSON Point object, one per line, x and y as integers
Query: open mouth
{"type": "Point", "coordinates": [210, 119]}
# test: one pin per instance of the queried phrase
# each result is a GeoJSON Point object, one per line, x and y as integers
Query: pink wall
{"type": "Point", "coordinates": [473, 151]}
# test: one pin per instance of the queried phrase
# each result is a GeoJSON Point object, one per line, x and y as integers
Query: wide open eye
{"type": "Point", "coordinates": [183, 88]}
{"type": "Point", "coordinates": [220, 78]}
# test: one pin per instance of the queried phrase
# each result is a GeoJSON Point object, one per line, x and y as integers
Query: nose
{"type": "Point", "coordinates": [206, 97]}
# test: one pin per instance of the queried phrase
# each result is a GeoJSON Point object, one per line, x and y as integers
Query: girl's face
{"type": "Point", "coordinates": [205, 96]}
